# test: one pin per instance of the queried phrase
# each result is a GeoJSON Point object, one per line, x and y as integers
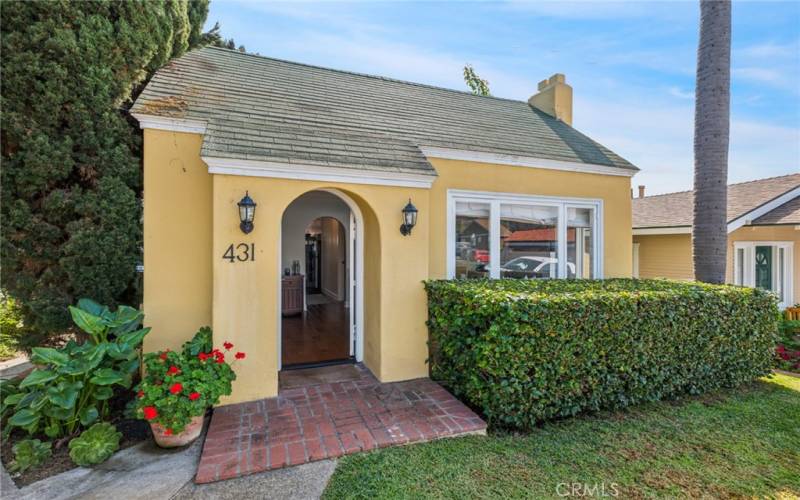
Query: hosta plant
{"type": "Point", "coordinates": [72, 387]}
{"type": "Point", "coordinates": [178, 386]}
{"type": "Point", "coordinates": [95, 445]}
{"type": "Point", "coordinates": [29, 453]}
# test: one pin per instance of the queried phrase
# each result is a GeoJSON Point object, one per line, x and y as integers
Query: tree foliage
{"type": "Point", "coordinates": [477, 85]}
{"type": "Point", "coordinates": [71, 176]}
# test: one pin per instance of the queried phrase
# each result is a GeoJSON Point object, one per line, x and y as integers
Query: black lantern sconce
{"type": "Point", "coordinates": [409, 218]}
{"type": "Point", "coordinates": [247, 212]}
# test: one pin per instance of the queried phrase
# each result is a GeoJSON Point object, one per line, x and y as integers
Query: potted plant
{"type": "Point", "coordinates": [178, 388]}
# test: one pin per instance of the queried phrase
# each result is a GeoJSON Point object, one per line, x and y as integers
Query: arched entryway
{"type": "Point", "coordinates": [321, 302]}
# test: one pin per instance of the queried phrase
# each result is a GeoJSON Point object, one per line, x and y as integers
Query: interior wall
{"type": "Point", "coordinates": [299, 215]}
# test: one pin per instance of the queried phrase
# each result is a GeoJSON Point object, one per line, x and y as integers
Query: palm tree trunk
{"type": "Point", "coordinates": [711, 137]}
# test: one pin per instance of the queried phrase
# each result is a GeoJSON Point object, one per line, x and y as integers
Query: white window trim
{"type": "Point", "coordinates": [494, 199]}
{"type": "Point", "coordinates": [749, 248]}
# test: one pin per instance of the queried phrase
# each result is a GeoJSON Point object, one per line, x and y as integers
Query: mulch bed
{"type": "Point", "coordinates": [133, 432]}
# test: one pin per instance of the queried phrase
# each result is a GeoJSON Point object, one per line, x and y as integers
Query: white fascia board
{"type": "Point", "coordinates": [170, 124]}
{"type": "Point", "coordinates": [769, 206]}
{"type": "Point", "coordinates": [523, 161]}
{"type": "Point", "coordinates": [259, 168]}
{"type": "Point", "coordinates": [645, 231]}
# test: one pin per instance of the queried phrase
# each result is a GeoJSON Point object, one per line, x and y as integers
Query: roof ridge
{"type": "Point", "coordinates": [367, 75]}
{"type": "Point", "coordinates": [729, 186]}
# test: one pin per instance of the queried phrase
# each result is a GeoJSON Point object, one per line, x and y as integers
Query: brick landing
{"type": "Point", "coordinates": [329, 420]}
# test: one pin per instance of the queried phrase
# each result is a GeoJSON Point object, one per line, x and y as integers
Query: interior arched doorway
{"type": "Point", "coordinates": [320, 293]}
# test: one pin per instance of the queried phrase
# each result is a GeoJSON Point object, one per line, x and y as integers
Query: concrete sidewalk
{"type": "Point", "coordinates": [148, 472]}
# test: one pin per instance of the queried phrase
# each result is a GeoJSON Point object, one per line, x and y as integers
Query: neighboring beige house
{"type": "Point", "coordinates": [763, 233]}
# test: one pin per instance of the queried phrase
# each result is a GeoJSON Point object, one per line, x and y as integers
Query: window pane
{"type": "Point", "coordinates": [528, 241]}
{"type": "Point", "coordinates": [580, 243]}
{"type": "Point", "coordinates": [739, 266]}
{"type": "Point", "coordinates": [472, 240]}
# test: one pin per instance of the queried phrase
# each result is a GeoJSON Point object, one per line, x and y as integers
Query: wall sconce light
{"type": "Point", "coordinates": [247, 212]}
{"type": "Point", "coordinates": [409, 218]}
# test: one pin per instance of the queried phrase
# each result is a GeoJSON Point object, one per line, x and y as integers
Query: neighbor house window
{"type": "Point", "coordinates": [512, 236]}
{"type": "Point", "coordinates": [767, 265]}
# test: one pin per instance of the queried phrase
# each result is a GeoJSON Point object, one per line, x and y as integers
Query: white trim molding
{"type": "Point", "coordinates": [296, 171]}
{"type": "Point", "coordinates": [170, 124]}
{"type": "Point", "coordinates": [644, 231]}
{"type": "Point", "coordinates": [494, 200]}
{"type": "Point", "coordinates": [749, 217]}
{"type": "Point", "coordinates": [523, 161]}
{"type": "Point", "coordinates": [744, 267]}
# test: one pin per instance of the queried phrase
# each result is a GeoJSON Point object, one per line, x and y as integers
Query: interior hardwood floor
{"type": "Point", "coordinates": [317, 335]}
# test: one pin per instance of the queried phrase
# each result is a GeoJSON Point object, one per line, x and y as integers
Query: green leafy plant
{"type": "Point", "coordinates": [95, 445]}
{"type": "Point", "coordinates": [524, 351]}
{"type": "Point", "coordinates": [178, 386]}
{"type": "Point", "coordinates": [72, 388]}
{"type": "Point", "coordinates": [29, 453]}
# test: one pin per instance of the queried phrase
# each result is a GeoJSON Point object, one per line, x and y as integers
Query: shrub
{"type": "Point", "coordinates": [29, 453]}
{"type": "Point", "coordinates": [178, 386]}
{"type": "Point", "coordinates": [71, 178]}
{"type": "Point", "coordinates": [95, 445]}
{"type": "Point", "coordinates": [524, 351]}
{"type": "Point", "coordinates": [72, 389]}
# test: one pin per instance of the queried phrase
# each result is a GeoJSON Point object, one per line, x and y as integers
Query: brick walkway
{"type": "Point", "coordinates": [329, 420]}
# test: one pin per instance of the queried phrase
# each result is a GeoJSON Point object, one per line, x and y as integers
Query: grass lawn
{"type": "Point", "coordinates": [738, 443]}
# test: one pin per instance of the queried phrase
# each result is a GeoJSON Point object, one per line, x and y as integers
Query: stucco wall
{"type": "Point", "coordinates": [245, 293]}
{"type": "Point", "coordinates": [191, 219]}
{"type": "Point", "coordinates": [177, 238]}
{"type": "Point", "coordinates": [665, 256]}
{"type": "Point", "coordinates": [613, 190]}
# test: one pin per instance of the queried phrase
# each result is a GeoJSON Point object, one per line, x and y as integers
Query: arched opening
{"type": "Point", "coordinates": [321, 267]}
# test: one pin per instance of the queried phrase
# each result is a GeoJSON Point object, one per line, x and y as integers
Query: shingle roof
{"type": "Point", "coordinates": [258, 108]}
{"type": "Point", "coordinates": [788, 213]}
{"type": "Point", "coordinates": [675, 209]}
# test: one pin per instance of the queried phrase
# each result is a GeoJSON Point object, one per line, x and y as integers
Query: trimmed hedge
{"type": "Point", "coordinates": [524, 351]}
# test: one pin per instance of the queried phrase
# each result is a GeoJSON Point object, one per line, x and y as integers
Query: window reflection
{"type": "Point", "coordinates": [472, 240]}
{"type": "Point", "coordinates": [528, 241]}
{"type": "Point", "coordinates": [580, 243]}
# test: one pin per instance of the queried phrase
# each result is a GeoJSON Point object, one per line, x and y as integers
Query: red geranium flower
{"type": "Point", "coordinates": [149, 412]}
{"type": "Point", "coordinates": [163, 356]}
{"type": "Point", "coordinates": [202, 356]}
{"type": "Point", "coordinates": [168, 432]}
{"type": "Point", "coordinates": [228, 346]}
{"type": "Point", "coordinates": [176, 388]}
{"type": "Point", "coordinates": [194, 395]}
{"type": "Point", "coordinates": [239, 355]}
{"type": "Point", "coordinates": [173, 370]}
{"type": "Point", "coordinates": [141, 394]}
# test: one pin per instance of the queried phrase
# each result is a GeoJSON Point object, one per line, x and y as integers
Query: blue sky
{"type": "Point", "coordinates": [631, 65]}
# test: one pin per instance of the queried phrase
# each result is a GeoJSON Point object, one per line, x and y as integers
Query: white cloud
{"type": "Point", "coordinates": [680, 93]}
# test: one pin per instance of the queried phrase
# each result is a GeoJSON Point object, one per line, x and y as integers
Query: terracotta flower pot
{"type": "Point", "coordinates": [189, 434]}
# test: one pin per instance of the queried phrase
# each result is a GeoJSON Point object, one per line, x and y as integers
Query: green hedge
{"type": "Point", "coordinates": [524, 351]}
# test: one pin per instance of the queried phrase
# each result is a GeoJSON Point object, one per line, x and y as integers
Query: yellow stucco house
{"type": "Point", "coordinates": [763, 235]}
{"type": "Point", "coordinates": [333, 161]}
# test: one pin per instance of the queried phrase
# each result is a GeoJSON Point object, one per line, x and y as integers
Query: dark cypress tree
{"type": "Point", "coordinates": [71, 157]}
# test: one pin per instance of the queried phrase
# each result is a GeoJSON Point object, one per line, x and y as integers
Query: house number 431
{"type": "Point", "coordinates": [241, 252]}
